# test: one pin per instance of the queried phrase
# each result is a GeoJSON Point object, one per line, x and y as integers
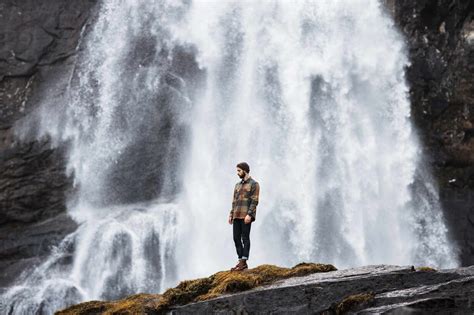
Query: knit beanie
{"type": "Point", "coordinates": [244, 166]}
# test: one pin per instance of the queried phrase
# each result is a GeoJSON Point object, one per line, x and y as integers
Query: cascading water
{"type": "Point", "coordinates": [311, 94]}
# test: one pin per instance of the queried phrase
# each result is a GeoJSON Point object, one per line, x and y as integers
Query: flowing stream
{"type": "Point", "coordinates": [168, 96]}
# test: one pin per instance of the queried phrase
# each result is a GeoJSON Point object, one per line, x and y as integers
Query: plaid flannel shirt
{"type": "Point", "coordinates": [245, 199]}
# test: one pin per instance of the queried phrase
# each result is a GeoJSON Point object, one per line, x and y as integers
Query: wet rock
{"type": "Point", "coordinates": [390, 288]}
{"type": "Point", "coordinates": [38, 42]}
{"type": "Point", "coordinates": [440, 46]}
{"type": "Point", "coordinates": [25, 245]}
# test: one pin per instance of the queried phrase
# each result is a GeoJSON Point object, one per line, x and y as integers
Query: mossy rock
{"type": "Point", "coordinates": [201, 289]}
{"type": "Point", "coordinates": [135, 304]}
{"type": "Point", "coordinates": [188, 290]}
{"type": "Point", "coordinates": [426, 269]}
{"type": "Point", "coordinates": [354, 301]}
{"type": "Point", "coordinates": [225, 282]}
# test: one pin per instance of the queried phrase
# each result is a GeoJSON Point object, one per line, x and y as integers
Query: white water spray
{"type": "Point", "coordinates": [311, 94]}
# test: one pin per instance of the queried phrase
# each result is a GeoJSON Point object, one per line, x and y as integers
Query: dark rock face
{"type": "Point", "coordinates": [440, 39]}
{"type": "Point", "coordinates": [392, 290]}
{"type": "Point", "coordinates": [38, 41]}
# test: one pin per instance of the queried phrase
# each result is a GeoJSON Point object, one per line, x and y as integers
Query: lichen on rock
{"type": "Point", "coordinates": [201, 289]}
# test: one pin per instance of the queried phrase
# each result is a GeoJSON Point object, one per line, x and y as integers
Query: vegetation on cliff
{"type": "Point", "coordinates": [201, 289]}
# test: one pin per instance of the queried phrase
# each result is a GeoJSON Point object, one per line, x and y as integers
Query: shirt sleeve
{"type": "Point", "coordinates": [254, 192]}
{"type": "Point", "coordinates": [232, 209]}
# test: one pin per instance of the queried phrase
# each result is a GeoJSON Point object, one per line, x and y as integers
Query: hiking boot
{"type": "Point", "coordinates": [237, 265]}
{"type": "Point", "coordinates": [242, 265]}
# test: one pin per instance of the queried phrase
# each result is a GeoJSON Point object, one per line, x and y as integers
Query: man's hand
{"type": "Point", "coordinates": [230, 220]}
{"type": "Point", "coordinates": [248, 219]}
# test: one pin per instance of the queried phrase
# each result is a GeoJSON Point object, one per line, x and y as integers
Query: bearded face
{"type": "Point", "coordinates": [240, 173]}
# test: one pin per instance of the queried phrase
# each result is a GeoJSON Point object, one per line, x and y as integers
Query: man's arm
{"type": "Point", "coordinates": [232, 209]}
{"type": "Point", "coordinates": [255, 190]}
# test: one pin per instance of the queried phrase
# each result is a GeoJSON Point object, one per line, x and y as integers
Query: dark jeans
{"type": "Point", "coordinates": [241, 235]}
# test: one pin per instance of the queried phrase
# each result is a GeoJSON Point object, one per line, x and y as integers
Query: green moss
{"type": "Point", "coordinates": [352, 301]}
{"type": "Point", "coordinates": [224, 282]}
{"type": "Point", "coordinates": [426, 268]}
{"type": "Point", "coordinates": [200, 289]}
{"type": "Point", "coordinates": [187, 290]}
{"type": "Point", "coordinates": [135, 304]}
{"type": "Point", "coordinates": [85, 308]}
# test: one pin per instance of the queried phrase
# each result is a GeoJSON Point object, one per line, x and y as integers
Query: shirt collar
{"type": "Point", "coordinates": [243, 181]}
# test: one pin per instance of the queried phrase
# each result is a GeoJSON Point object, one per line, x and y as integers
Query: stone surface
{"type": "Point", "coordinates": [38, 42]}
{"type": "Point", "coordinates": [396, 289]}
{"type": "Point", "coordinates": [439, 37]}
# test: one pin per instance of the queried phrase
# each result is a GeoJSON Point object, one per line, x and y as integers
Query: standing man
{"type": "Point", "coordinates": [242, 214]}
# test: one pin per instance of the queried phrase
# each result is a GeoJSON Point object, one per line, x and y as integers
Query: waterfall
{"type": "Point", "coordinates": [167, 97]}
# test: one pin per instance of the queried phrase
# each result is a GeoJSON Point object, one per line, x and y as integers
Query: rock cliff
{"type": "Point", "coordinates": [440, 41]}
{"type": "Point", "coordinates": [38, 42]}
{"type": "Point", "coordinates": [375, 289]}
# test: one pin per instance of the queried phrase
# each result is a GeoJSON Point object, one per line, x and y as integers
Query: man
{"type": "Point", "coordinates": [243, 212]}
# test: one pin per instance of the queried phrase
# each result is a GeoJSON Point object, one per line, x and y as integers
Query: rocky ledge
{"type": "Point", "coordinates": [307, 288]}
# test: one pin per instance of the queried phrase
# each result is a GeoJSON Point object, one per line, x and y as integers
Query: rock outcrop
{"type": "Point", "coordinates": [374, 289]}
{"type": "Point", "coordinates": [440, 40]}
{"type": "Point", "coordinates": [38, 43]}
